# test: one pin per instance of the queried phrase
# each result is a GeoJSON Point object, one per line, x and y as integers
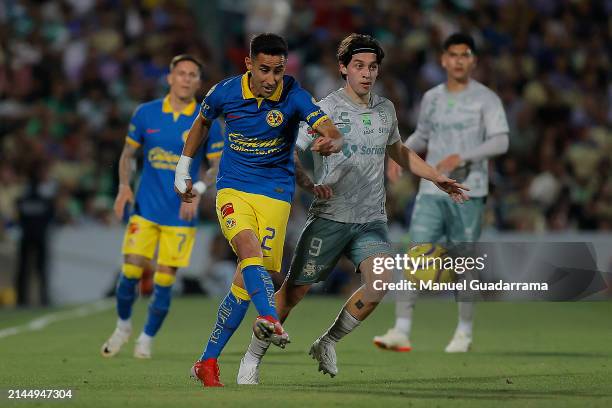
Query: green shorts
{"type": "Point", "coordinates": [436, 218]}
{"type": "Point", "coordinates": [323, 242]}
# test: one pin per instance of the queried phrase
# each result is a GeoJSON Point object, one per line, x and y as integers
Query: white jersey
{"type": "Point", "coordinates": [356, 174]}
{"type": "Point", "coordinates": [456, 122]}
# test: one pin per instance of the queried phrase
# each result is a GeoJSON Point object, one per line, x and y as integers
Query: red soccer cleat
{"type": "Point", "coordinates": [207, 371]}
{"type": "Point", "coordinates": [269, 329]}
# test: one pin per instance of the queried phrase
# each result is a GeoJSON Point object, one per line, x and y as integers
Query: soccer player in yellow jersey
{"type": "Point", "coordinates": [159, 218]}
{"type": "Point", "coordinates": [255, 184]}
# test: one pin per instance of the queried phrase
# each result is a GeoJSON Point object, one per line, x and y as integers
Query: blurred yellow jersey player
{"type": "Point", "coordinates": [159, 220]}
{"type": "Point", "coordinates": [255, 184]}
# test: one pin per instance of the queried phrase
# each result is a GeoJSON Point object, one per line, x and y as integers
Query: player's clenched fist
{"type": "Point", "coordinates": [322, 191]}
{"type": "Point", "coordinates": [124, 195]}
{"type": "Point", "coordinates": [325, 145]}
{"type": "Point", "coordinates": [182, 179]}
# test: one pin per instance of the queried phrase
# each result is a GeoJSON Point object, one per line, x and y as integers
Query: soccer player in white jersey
{"type": "Point", "coordinates": [461, 125]}
{"type": "Point", "coordinates": [348, 214]}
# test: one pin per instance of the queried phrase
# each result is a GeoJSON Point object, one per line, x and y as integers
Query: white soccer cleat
{"type": "Point", "coordinates": [115, 341]}
{"type": "Point", "coordinates": [325, 353]}
{"type": "Point", "coordinates": [460, 343]}
{"type": "Point", "coordinates": [142, 349]}
{"type": "Point", "coordinates": [248, 373]}
{"type": "Point", "coordinates": [393, 340]}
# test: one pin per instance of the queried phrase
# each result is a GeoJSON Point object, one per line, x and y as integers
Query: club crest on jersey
{"type": "Point", "coordinates": [366, 119]}
{"type": "Point", "coordinates": [230, 223]}
{"type": "Point", "coordinates": [274, 118]}
{"type": "Point", "coordinates": [227, 209]}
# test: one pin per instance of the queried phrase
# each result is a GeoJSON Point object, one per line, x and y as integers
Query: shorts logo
{"type": "Point", "coordinates": [227, 209]}
{"type": "Point", "coordinates": [230, 223]}
{"type": "Point", "coordinates": [310, 268]}
{"type": "Point", "coordinates": [133, 228]}
{"type": "Point", "coordinates": [274, 118]}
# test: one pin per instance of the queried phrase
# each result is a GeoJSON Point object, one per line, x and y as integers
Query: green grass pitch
{"type": "Point", "coordinates": [524, 355]}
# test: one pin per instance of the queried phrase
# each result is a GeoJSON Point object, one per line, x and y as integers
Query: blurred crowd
{"type": "Point", "coordinates": [72, 72]}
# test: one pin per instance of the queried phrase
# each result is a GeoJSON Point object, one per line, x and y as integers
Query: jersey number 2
{"type": "Point", "coordinates": [271, 235]}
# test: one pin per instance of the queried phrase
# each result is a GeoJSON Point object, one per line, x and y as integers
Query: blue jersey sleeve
{"type": "Point", "coordinates": [212, 105]}
{"type": "Point", "coordinates": [214, 144]}
{"type": "Point", "coordinates": [136, 129]}
{"type": "Point", "coordinates": [308, 111]}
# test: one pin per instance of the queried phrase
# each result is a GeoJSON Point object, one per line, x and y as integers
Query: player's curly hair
{"type": "Point", "coordinates": [269, 44]}
{"type": "Point", "coordinates": [356, 43]}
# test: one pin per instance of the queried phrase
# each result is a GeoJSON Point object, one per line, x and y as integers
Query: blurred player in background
{"type": "Point", "coordinates": [461, 124]}
{"type": "Point", "coordinates": [159, 218]}
{"type": "Point", "coordinates": [348, 214]}
{"type": "Point", "coordinates": [255, 184]}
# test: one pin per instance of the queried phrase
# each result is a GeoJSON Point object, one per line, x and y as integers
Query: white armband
{"type": "Point", "coordinates": [199, 187]}
{"type": "Point", "coordinates": [181, 174]}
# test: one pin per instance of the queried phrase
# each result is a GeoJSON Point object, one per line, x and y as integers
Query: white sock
{"type": "Point", "coordinates": [257, 349]}
{"type": "Point", "coordinates": [465, 326]}
{"type": "Point", "coordinates": [466, 317]}
{"type": "Point", "coordinates": [145, 338]}
{"type": "Point", "coordinates": [124, 325]}
{"type": "Point", "coordinates": [343, 325]}
{"type": "Point", "coordinates": [403, 325]}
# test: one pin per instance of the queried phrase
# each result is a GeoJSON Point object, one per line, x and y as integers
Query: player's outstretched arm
{"type": "Point", "coordinates": [125, 194]}
{"type": "Point", "coordinates": [408, 159]}
{"type": "Point", "coordinates": [196, 136]}
{"type": "Point", "coordinates": [301, 178]}
{"type": "Point", "coordinates": [330, 139]}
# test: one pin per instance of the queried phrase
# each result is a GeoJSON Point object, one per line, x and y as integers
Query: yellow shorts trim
{"type": "Point", "coordinates": [163, 279]}
{"type": "Point", "coordinates": [266, 217]}
{"type": "Point", "coordinates": [132, 271]}
{"type": "Point", "coordinates": [250, 262]}
{"type": "Point", "coordinates": [239, 292]}
{"type": "Point", "coordinates": [142, 237]}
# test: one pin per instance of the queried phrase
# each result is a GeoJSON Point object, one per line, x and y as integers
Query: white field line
{"type": "Point", "coordinates": [41, 322]}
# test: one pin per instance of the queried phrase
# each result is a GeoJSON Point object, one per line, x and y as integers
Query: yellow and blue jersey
{"type": "Point", "coordinates": [260, 134]}
{"type": "Point", "coordinates": [162, 132]}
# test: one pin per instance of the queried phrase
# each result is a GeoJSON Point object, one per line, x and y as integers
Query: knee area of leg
{"type": "Point", "coordinates": [131, 271]}
{"type": "Point", "coordinates": [254, 261]}
{"type": "Point", "coordinates": [240, 293]}
{"type": "Point", "coordinates": [164, 279]}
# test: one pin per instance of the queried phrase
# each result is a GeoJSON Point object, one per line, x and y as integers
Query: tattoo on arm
{"type": "Point", "coordinates": [359, 304]}
{"type": "Point", "coordinates": [301, 178]}
{"type": "Point", "coordinates": [126, 163]}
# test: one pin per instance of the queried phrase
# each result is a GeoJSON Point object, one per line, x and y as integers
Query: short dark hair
{"type": "Point", "coordinates": [185, 57]}
{"type": "Point", "coordinates": [269, 44]}
{"type": "Point", "coordinates": [356, 43]}
{"type": "Point", "coordinates": [459, 38]}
